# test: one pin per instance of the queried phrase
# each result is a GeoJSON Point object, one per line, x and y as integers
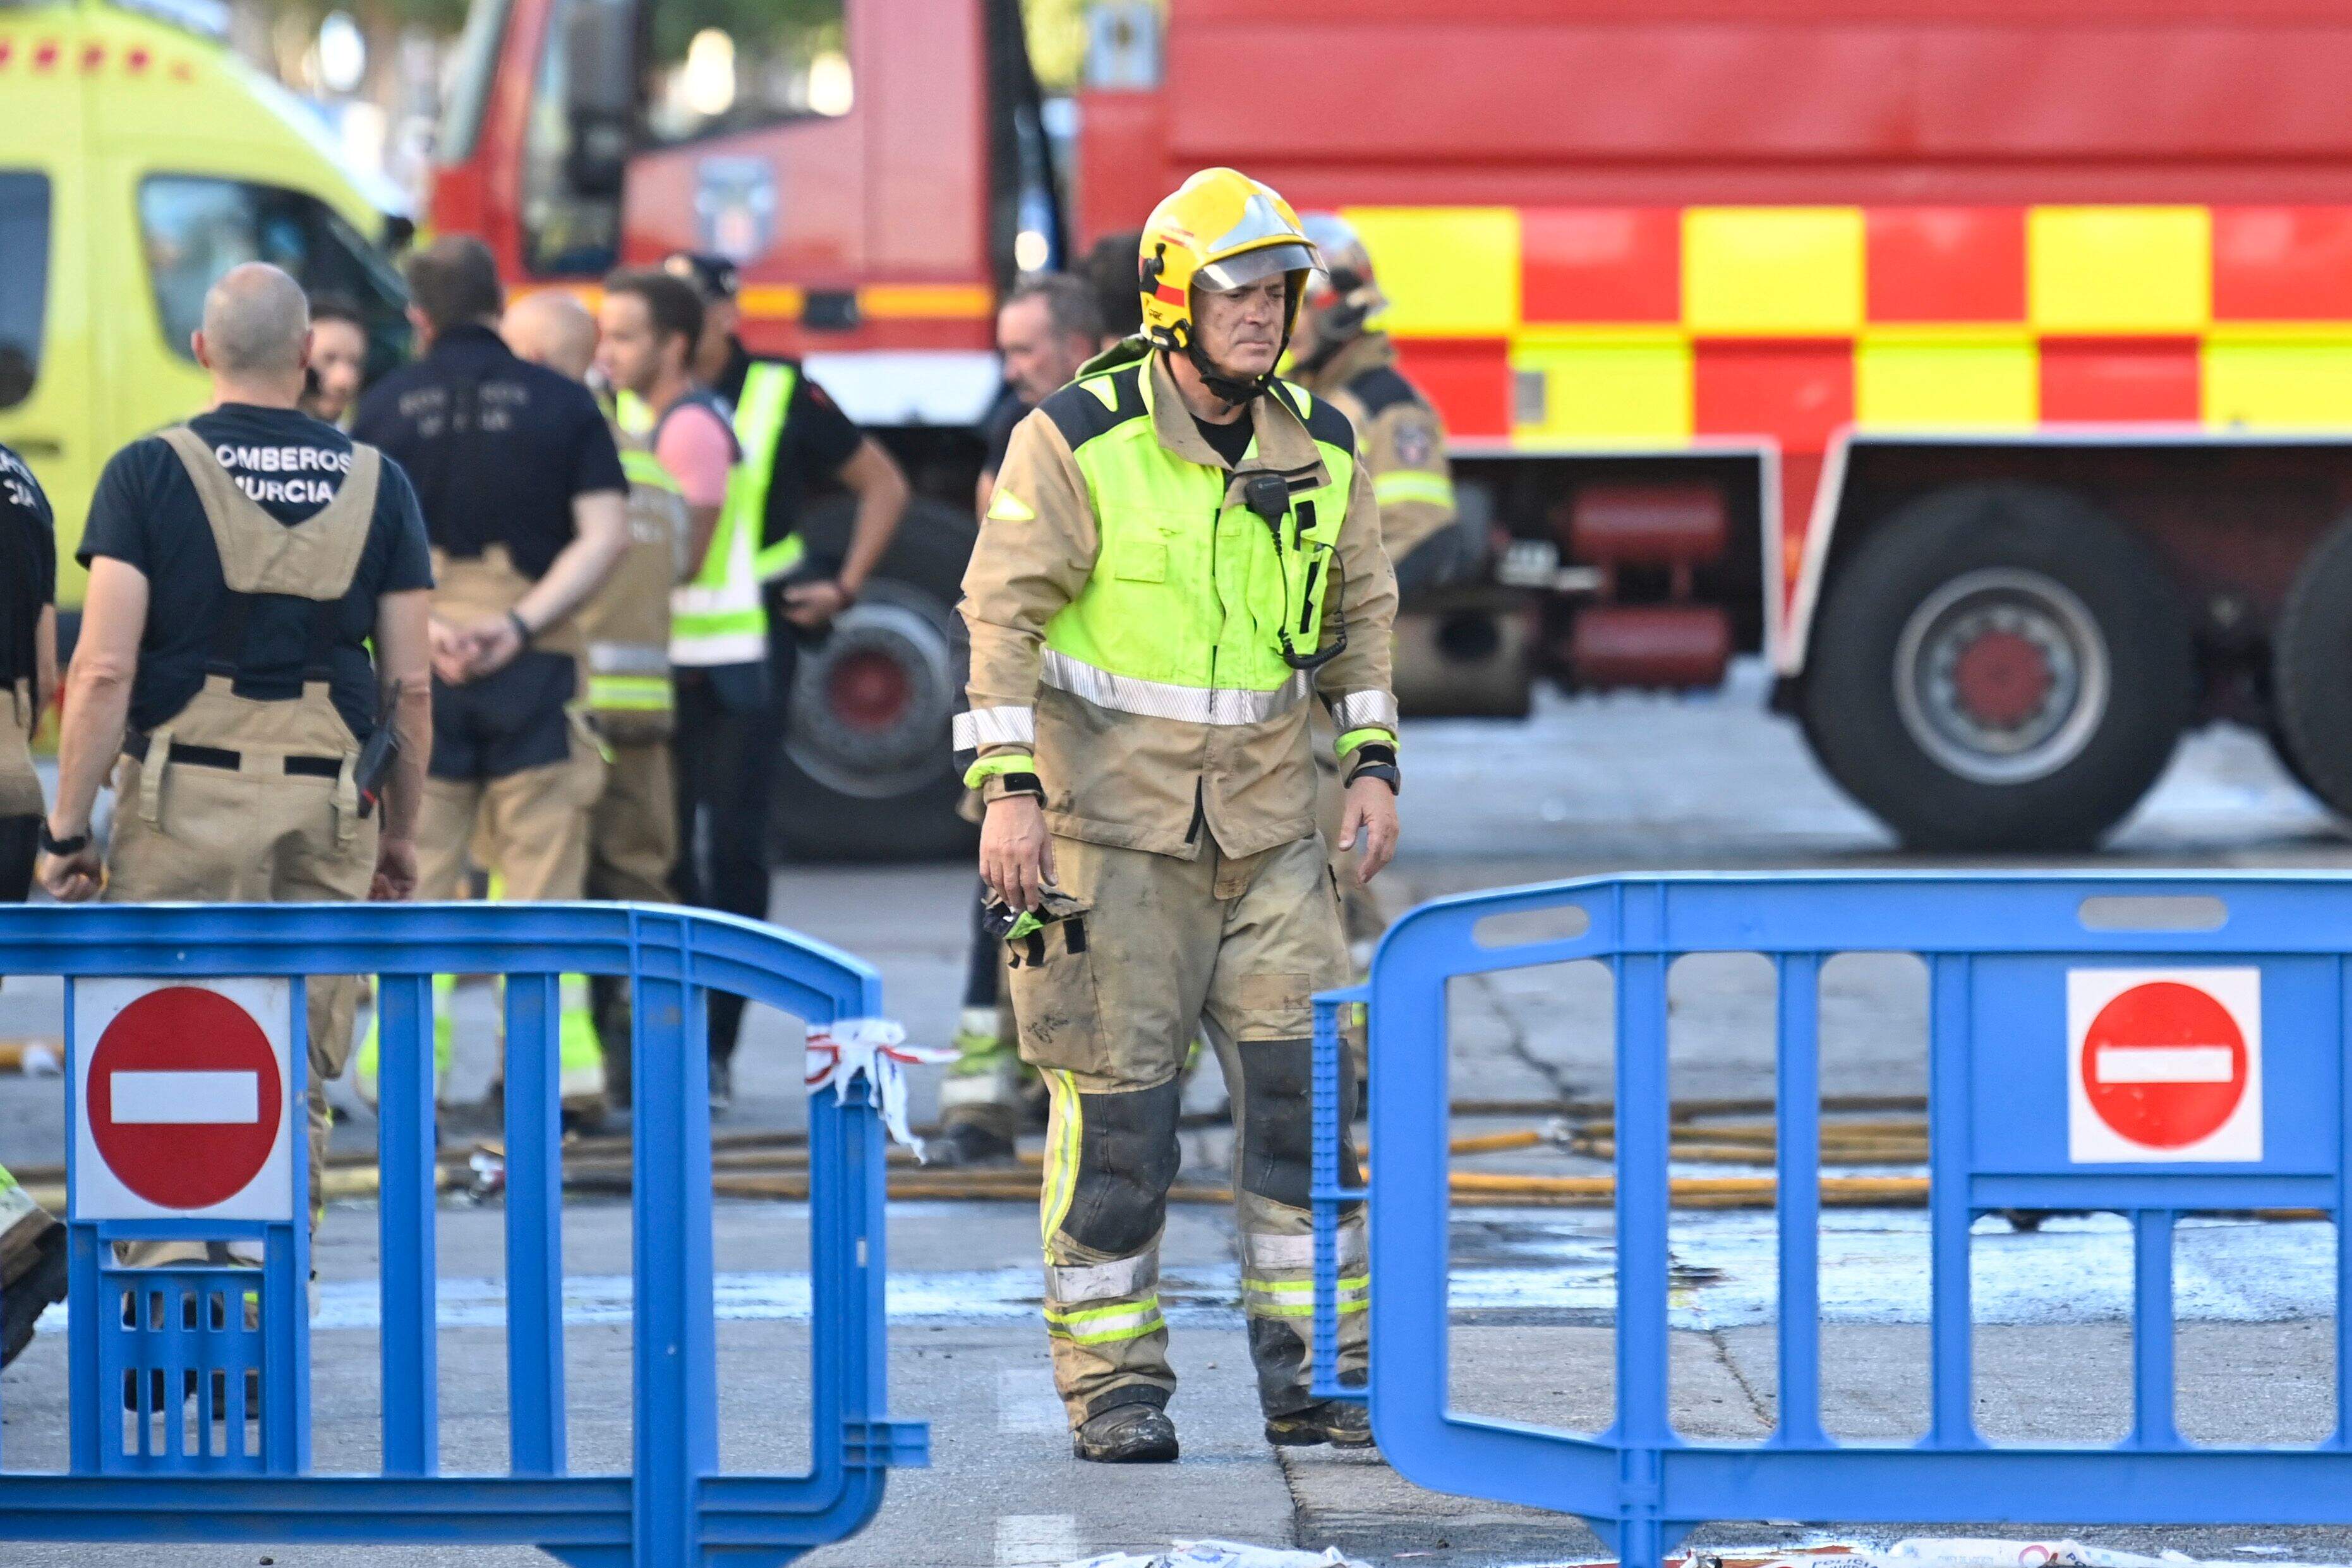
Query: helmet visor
{"type": "Point", "coordinates": [1240, 271]}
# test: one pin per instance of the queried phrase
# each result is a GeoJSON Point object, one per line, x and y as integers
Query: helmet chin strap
{"type": "Point", "coordinates": [1234, 392]}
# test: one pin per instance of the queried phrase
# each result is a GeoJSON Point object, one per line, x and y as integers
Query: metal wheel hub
{"type": "Point", "coordinates": [870, 705]}
{"type": "Point", "coordinates": [2002, 675]}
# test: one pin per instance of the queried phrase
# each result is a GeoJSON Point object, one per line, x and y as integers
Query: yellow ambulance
{"type": "Point", "coordinates": [140, 159]}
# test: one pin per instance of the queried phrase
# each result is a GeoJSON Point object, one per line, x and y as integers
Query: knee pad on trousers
{"type": "Point", "coordinates": [1127, 1161]}
{"type": "Point", "coordinates": [1278, 1120]}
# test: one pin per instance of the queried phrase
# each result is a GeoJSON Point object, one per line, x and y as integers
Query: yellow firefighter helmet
{"type": "Point", "coordinates": [1219, 230]}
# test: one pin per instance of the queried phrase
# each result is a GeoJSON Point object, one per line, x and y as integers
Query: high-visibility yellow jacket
{"type": "Point", "coordinates": [1137, 628]}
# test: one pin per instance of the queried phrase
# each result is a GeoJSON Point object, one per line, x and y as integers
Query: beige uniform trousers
{"type": "Point", "coordinates": [533, 827]}
{"type": "Point", "coordinates": [251, 838]}
{"type": "Point", "coordinates": [632, 844]}
{"type": "Point", "coordinates": [1109, 1005]}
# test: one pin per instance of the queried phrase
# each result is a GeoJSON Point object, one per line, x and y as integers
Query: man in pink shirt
{"type": "Point", "coordinates": [651, 322]}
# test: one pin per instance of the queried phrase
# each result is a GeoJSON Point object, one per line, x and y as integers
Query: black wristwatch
{"type": "Point", "coordinates": [521, 626]}
{"type": "Point", "coordinates": [74, 845]}
{"type": "Point", "coordinates": [1375, 760]}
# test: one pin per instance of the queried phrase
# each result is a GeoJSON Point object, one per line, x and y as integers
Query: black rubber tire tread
{"type": "Point", "coordinates": [1848, 707]}
{"type": "Point", "coordinates": [2311, 672]}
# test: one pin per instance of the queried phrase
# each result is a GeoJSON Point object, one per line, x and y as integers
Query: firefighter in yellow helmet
{"type": "Point", "coordinates": [1181, 554]}
{"type": "Point", "coordinates": [1339, 354]}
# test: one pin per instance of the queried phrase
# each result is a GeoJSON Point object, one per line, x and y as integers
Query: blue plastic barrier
{"type": "Point", "coordinates": [202, 1328]}
{"type": "Point", "coordinates": [1999, 949]}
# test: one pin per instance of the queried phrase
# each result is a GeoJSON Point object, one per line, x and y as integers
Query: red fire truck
{"type": "Point", "coordinates": [1985, 366]}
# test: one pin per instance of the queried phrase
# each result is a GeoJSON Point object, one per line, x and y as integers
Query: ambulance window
{"type": "Point", "coordinates": [195, 228]}
{"type": "Point", "coordinates": [721, 65]}
{"type": "Point", "coordinates": [24, 262]}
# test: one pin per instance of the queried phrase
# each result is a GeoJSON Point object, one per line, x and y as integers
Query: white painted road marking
{"type": "Point", "coordinates": [1036, 1540]}
{"type": "Point", "coordinates": [184, 1098]}
{"type": "Point", "coordinates": [2167, 1064]}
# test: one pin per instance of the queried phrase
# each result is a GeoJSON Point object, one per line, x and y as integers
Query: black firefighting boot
{"type": "Point", "coordinates": [1127, 1435]}
{"type": "Point", "coordinates": [1342, 1422]}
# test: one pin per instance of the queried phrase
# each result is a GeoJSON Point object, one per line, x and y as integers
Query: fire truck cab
{"type": "Point", "coordinates": [879, 171]}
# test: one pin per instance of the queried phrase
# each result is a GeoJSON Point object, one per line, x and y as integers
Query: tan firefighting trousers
{"type": "Point", "coordinates": [1109, 1004]}
{"type": "Point", "coordinates": [257, 834]}
{"type": "Point", "coordinates": [632, 844]}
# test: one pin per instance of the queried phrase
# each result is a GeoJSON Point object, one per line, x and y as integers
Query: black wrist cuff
{"type": "Point", "coordinates": [73, 845]}
{"type": "Point", "coordinates": [1020, 783]}
{"type": "Point", "coordinates": [522, 627]}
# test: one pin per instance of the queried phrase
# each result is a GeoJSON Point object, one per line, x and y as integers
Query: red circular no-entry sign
{"type": "Point", "coordinates": [2163, 1065]}
{"type": "Point", "coordinates": [184, 1102]}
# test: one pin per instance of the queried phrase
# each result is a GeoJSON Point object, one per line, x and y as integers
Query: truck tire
{"type": "Point", "coordinates": [2311, 655]}
{"type": "Point", "coordinates": [864, 767]}
{"type": "Point", "coordinates": [2000, 667]}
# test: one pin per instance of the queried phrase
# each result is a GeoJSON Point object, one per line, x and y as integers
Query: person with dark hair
{"type": "Point", "coordinates": [792, 440]}
{"type": "Point", "coordinates": [339, 351]}
{"type": "Point", "coordinates": [1047, 328]}
{"type": "Point", "coordinates": [526, 506]}
{"type": "Point", "coordinates": [651, 325]}
{"type": "Point", "coordinates": [32, 1243]}
{"type": "Point", "coordinates": [1110, 268]}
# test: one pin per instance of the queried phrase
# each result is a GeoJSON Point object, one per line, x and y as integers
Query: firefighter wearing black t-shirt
{"type": "Point", "coordinates": [28, 662]}
{"type": "Point", "coordinates": [242, 566]}
{"type": "Point", "coordinates": [526, 505]}
{"type": "Point", "coordinates": [32, 1247]}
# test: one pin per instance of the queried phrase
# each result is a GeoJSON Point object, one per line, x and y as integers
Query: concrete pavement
{"type": "Point", "coordinates": [1616, 783]}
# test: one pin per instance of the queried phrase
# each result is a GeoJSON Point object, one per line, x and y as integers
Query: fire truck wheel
{"type": "Point", "coordinates": [2311, 696]}
{"type": "Point", "coordinates": [864, 769]}
{"type": "Point", "coordinates": [1999, 667]}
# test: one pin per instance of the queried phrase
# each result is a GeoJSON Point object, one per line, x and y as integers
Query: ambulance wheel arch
{"type": "Point", "coordinates": [1999, 665]}
{"type": "Point", "coordinates": [864, 770]}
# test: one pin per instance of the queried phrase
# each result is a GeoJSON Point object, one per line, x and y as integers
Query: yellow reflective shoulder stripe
{"type": "Point", "coordinates": [644, 468]}
{"type": "Point", "coordinates": [1407, 486]}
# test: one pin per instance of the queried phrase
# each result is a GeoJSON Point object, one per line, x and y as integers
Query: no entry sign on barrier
{"type": "Point", "coordinates": [180, 1099]}
{"type": "Point", "coordinates": [2163, 1065]}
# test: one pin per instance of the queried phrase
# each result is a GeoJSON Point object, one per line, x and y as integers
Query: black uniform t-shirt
{"type": "Point", "coordinates": [817, 438]}
{"type": "Point", "coordinates": [28, 565]}
{"type": "Point", "coordinates": [497, 447]}
{"type": "Point", "coordinates": [1230, 440]}
{"type": "Point", "coordinates": [147, 515]}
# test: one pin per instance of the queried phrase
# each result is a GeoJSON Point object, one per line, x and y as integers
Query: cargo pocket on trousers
{"type": "Point", "coordinates": [1052, 979]}
{"type": "Point", "coordinates": [1275, 1007]}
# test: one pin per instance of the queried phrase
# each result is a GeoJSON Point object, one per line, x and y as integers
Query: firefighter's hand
{"type": "Point", "coordinates": [395, 871]}
{"type": "Point", "coordinates": [496, 644]}
{"type": "Point", "coordinates": [453, 653]}
{"type": "Point", "coordinates": [1370, 816]}
{"type": "Point", "coordinates": [814, 604]}
{"type": "Point", "coordinates": [72, 879]}
{"type": "Point", "coordinates": [1016, 853]}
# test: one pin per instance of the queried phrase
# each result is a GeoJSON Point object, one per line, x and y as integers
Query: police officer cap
{"type": "Point", "coordinates": [713, 277]}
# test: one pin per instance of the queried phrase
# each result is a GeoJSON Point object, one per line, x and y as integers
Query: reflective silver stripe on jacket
{"type": "Point", "coordinates": [627, 658]}
{"type": "Point", "coordinates": [995, 727]}
{"type": "Point", "coordinates": [1365, 710]}
{"type": "Point", "coordinates": [1163, 699]}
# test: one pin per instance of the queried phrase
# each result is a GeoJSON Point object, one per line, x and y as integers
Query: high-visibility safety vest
{"type": "Point", "coordinates": [1143, 636]}
{"type": "Point", "coordinates": [716, 616]}
{"type": "Point", "coordinates": [759, 416]}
